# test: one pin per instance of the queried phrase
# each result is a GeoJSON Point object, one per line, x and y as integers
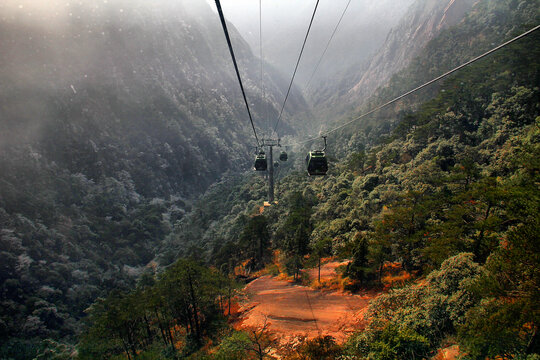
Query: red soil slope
{"type": "Point", "coordinates": [293, 310]}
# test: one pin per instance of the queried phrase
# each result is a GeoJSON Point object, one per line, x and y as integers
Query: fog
{"type": "Point", "coordinates": [52, 44]}
{"type": "Point", "coordinates": [284, 23]}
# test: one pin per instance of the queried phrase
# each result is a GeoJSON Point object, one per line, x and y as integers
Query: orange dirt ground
{"type": "Point", "coordinates": [294, 311]}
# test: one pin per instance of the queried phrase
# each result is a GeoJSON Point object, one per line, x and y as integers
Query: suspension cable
{"type": "Point", "coordinates": [222, 18]}
{"type": "Point", "coordinates": [424, 85]}
{"type": "Point", "coordinates": [328, 44]}
{"type": "Point", "coordinates": [264, 108]}
{"type": "Point", "coordinates": [296, 67]}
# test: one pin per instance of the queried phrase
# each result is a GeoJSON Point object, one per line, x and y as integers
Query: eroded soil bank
{"type": "Point", "coordinates": [294, 311]}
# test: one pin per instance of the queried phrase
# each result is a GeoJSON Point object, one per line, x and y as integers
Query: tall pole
{"type": "Point", "coordinates": [271, 177]}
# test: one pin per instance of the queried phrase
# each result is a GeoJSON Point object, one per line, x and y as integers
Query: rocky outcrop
{"type": "Point", "coordinates": [424, 20]}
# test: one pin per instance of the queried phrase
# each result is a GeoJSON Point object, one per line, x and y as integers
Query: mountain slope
{"type": "Point", "coordinates": [121, 79]}
{"type": "Point", "coordinates": [423, 21]}
{"type": "Point", "coordinates": [112, 116]}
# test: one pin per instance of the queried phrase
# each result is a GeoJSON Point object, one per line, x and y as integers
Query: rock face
{"type": "Point", "coordinates": [424, 20]}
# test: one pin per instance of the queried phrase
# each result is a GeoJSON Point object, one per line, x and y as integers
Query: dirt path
{"type": "Point", "coordinates": [294, 310]}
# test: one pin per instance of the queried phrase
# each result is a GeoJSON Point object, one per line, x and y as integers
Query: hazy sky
{"type": "Point", "coordinates": [284, 24]}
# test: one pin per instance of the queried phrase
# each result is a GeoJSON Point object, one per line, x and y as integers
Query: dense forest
{"type": "Point", "coordinates": [109, 129]}
{"type": "Point", "coordinates": [450, 193]}
{"type": "Point", "coordinates": [444, 186]}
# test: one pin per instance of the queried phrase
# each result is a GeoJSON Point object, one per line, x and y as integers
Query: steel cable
{"type": "Point", "coordinates": [223, 23]}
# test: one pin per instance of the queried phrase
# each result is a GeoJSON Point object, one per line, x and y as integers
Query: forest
{"type": "Point", "coordinates": [444, 186]}
{"type": "Point", "coordinates": [451, 194]}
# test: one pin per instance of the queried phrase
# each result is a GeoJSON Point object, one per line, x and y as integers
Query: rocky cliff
{"type": "Point", "coordinates": [423, 21]}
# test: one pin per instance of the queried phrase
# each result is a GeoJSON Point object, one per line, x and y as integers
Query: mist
{"type": "Point", "coordinates": [284, 24]}
{"type": "Point", "coordinates": [58, 47]}
{"type": "Point", "coordinates": [54, 49]}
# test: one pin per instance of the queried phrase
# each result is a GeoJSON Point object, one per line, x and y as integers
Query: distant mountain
{"type": "Point", "coordinates": [361, 32]}
{"type": "Point", "coordinates": [423, 21]}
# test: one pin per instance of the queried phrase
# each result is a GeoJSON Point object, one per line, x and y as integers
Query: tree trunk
{"type": "Point", "coordinates": [189, 325]}
{"type": "Point", "coordinates": [380, 272]}
{"type": "Point", "coordinates": [131, 342]}
{"type": "Point", "coordinates": [480, 237]}
{"type": "Point", "coordinates": [126, 349]}
{"type": "Point", "coordinates": [170, 334]}
{"type": "Point", "coordinates": [319, 270]}
{"type": "Point", "coordinates": [229, 299]}
{"type": "Point", "coordinates": [148, 330]}
{"type": "Point", "coordinates": [161, 330]}
{"type": "Point", "coordinates": [194, 304]}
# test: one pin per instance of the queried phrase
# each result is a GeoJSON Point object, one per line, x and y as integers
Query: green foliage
{"type": "Point", "coordinates": [433, 308]}
{"type": "Point", "coordinates": [20, 349]}
{"type": "Point", "coordinates": [505, 322]}
{"type": "Point", "coordinates": [393, 342]}
{"type": "Point", "coordinates": [252, 343]}
{"type": "Point", "coordinates": [255, 240]}
{"type": "Point", "coordinates": [233, 347]}
{"type": "Point", "coordinates": [186, 296]}
{"type": "Point", "coordinates": [319, 348]}
{"type": "Point", "coordinates": [359, 268]}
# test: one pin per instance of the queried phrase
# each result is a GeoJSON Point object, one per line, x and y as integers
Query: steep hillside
{"type": "Point", "coordinates": [108, 86]}
{"type": "Point", "coordinates": [442, 215]}
{"type": "Point", "coordinates": [422, 22]}
{"type": "Point", "coordinates": [488, 23]}
{"type": "Point", "coordinates": [112, 116]}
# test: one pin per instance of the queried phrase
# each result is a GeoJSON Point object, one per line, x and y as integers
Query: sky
{"type": "Point", "coordinates": [362, 31]}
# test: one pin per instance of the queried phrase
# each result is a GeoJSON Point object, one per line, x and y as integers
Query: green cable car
{"type": "Point", "coordinates": [316, 161]}
{"type": "Point", "coordinates": [260, 162]}
{"type": "Point", "coordinates": [283, 156]}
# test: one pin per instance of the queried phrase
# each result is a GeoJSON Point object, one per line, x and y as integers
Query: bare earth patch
{"type": "Point", "coordinates": [294, 311]}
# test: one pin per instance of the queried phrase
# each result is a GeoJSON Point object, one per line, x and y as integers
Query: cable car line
{"type": "Point", "coordinates": [222, 18]}
{"type": "Point", "coordinates": [424, 85]}
{"type": "Point", "coordinates": [327, 45]}
{"type": "Point", "coordinates": [264, 109]}
{"type": "Point", "coordinates": [296, 67]}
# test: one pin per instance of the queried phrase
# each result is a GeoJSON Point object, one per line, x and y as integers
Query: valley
{"type": "Point", "coordinates": [132, 225]}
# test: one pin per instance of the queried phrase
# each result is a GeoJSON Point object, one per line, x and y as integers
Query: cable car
{"type": "Point", "coordinates": [260, 162]}
{"type": "Point", "coordinates": [316, 161]}
{"type": "Point", "coordinates": [283, 156]}
{"type": "Point", "coordinates": [276, 164]}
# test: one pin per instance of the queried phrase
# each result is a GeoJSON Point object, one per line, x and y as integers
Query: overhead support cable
{"type": "Point", "coordinates": [296, 67]}
{"type": "Point", "coordinates": [223, 23]}
{"type": "Point", "coordinates": [264, 109]}
{"type": "Point", "coordinates": [328, 44]}
{"type": "Point", "coordinates": [424, 85]}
